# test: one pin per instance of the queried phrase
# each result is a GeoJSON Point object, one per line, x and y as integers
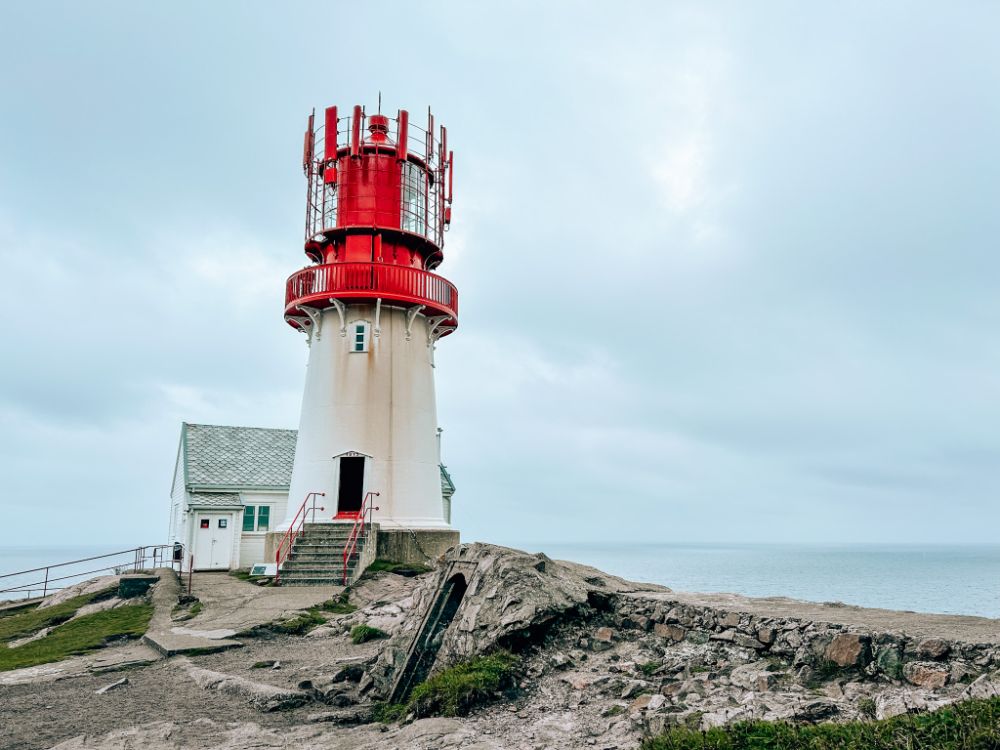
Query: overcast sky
{"type": "Point", "coordinates": [728, 271]}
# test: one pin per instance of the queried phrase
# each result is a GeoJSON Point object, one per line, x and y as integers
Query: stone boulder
{"type": "Point", "coordinates": [934, 649]}
{"type": "Point", "coordinates": [927, 675]}
{"type": "Point", "coordinates": [511, 599]}
{"type": "Point", "coordinates": [849, 650]}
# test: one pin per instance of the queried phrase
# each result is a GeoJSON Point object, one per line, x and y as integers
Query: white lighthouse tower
{"type": "Point", "coordinates": [378, 204]}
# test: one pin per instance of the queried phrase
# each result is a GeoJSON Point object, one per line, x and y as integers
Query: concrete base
{"type": "Point", "coordinates": [414, 545]}
{"type": "Point", "coordinates": [271, 541]}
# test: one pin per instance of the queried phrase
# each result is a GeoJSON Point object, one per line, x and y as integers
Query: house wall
{"type": "Point", "coordinates": [252, 543]}
{"type": "Point", "coordinates": [178, 503]}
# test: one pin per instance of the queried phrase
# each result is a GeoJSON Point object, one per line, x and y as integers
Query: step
{"type": "Point", "coordinates": [336, 581]}
{"type": "Point", "coordinates": [337, 528]}
{"type": "Point", "coordinates": [300, 564]}
{"type": "Point", "coordinates": [319, 558]}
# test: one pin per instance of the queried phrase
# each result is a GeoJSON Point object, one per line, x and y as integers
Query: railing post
{"type": "Point", "coordinates": [45, 586]}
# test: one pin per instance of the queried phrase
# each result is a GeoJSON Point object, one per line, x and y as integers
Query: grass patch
{"type": "Point", "coordinates": [458, 689]}
{"type": "Point", "coordinates": [244, 575]}
{"type": "Point", "coordinates": [340, 605]}
{"type": "Point", "coordinates": [80, 636]}
{"type": "Point", "coordinates": [650, 667]}
{"type": "Point", "coordinates": [971, 725]}
{"type": "Point", "coordinates": [387, 713]}
{"type": "Point", "coordinates": [365, 633]}
{"type": "Point", "coordinates": [183, 612]}
{"type": "Point", "coordinates": [867, 707]}
{"type": "Point", "coordinates": [298, 625]}
{"type": "Point", "coordinates": [27, 622]}
{"type": "Point", "coordinates": [401, 569]}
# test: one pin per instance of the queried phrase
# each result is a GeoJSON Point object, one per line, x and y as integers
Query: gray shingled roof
{"type": "Point", "coordinates": [215, 500]}
{"type": "Point", "coordinates": [245, 457]}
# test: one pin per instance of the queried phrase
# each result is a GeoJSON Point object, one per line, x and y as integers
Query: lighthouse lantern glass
{"type": "Point", "coordinates": [414, 199]}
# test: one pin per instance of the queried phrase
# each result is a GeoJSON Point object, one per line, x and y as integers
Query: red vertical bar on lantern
{"type": "Point", "coordinates": [403, 135]}
{"type": "Point", "coordinates": [444, 145]}
{"type": "Point", "coordinates": [429, 145]}
{"type": "Point", "coordinates": [307, 146]}
{"type": "Point", "coordinates": [451, 174]}
{"type": "Point", "coordinates": [356, 131]}
{"type": "Point", "coordinates": [330, 134]}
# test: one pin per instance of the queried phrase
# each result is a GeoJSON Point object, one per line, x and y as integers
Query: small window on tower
{"type": "Point", "coordinates": [359, 340]}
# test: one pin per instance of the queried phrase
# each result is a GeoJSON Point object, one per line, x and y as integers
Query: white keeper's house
{"type": "Point", "coordinates": [230, 488]}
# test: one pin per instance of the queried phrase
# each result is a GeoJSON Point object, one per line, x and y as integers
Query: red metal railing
{"type": "Point", "coordinates": [316, 284]}
{"type": "Point", "coordinates": [298, 522]}
{"type": "Point", "coordinates": [362, 522]}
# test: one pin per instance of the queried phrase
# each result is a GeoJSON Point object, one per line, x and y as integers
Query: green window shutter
{"type": "Point", "coordinates": [248, 517]}
{"type": "Point", "coordinates": [263, 517]}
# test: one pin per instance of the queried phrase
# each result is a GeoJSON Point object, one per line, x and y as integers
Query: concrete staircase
{"type": "Point", "coordinates": [317, 556]}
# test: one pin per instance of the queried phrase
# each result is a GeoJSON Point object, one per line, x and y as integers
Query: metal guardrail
{"type": "Point", "coordinates": [298, 523]}
{"type": "Point", "coordinates": [316, 284]}
{"type": "Point", "coordinates": [50, 578]}
{"type": "Point", "coordinates": [362, 525]}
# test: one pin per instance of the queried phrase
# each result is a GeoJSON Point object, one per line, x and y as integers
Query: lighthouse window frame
{"type": "Point", "coordinates": [359, 336]}
{"type": "Point", "coordinates": [413, 208]}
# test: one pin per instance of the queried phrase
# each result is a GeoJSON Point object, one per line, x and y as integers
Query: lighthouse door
{"type": "Point", "coordinates": [352, 485]}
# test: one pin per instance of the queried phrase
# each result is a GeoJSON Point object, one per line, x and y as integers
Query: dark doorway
{"type": "Point", "coordinates": [352, 484]}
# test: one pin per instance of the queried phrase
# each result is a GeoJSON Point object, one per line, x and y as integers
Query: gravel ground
{"type": "Point", "coordinates": [41, 715]}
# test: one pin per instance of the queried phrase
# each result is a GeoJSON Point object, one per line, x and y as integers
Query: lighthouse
{"type": "Point", "coordinates": [372, 308]}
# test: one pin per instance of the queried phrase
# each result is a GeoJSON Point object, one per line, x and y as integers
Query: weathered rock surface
{"type": "Point", "coordinates": [511, 599]}
{"type": "Point", "coordinates": [93, 586]}
{"type": "Point", "coordinates": [258, 694]}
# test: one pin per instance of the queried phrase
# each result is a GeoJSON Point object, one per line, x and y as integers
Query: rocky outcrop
{"type": "Point", "coordinates": [655, 659]}
{"type": "Point", "coordinates": [511, 599]}
{"type": "Point", "coordinates": [89, 587]}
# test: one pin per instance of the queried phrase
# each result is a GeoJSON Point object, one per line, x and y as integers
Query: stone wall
{"type": "Point", "coordinates": [823, 649]}
{"type": "Point", "coordinates": [415, 546]}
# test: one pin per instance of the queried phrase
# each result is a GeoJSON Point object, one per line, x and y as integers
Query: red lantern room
{"type": "Point", "coordinates": [378, 203]}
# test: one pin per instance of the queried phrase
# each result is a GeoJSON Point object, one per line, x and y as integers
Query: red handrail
{"type": "Point", "coordinates": [285, 545]}
{"type": "Point", "coordinates": [357, 529]}
{"type": "Point", "coordinates": [314, 285]}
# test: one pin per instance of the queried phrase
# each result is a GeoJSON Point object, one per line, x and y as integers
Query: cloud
{"type": "Point", "coordinates": [725, 273]}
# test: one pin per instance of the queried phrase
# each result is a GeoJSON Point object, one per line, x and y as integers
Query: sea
{"type": "Point", "coordinates": [949, 579]}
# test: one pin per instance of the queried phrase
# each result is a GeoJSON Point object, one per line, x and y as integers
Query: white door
{"type": "Point", "coordinates": [213, 541]}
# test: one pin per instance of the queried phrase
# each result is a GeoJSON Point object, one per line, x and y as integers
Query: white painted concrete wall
{"type": "Point", "coordinates": [252, 542]}
{"type": "Point", "coordinates": [380, 403]}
